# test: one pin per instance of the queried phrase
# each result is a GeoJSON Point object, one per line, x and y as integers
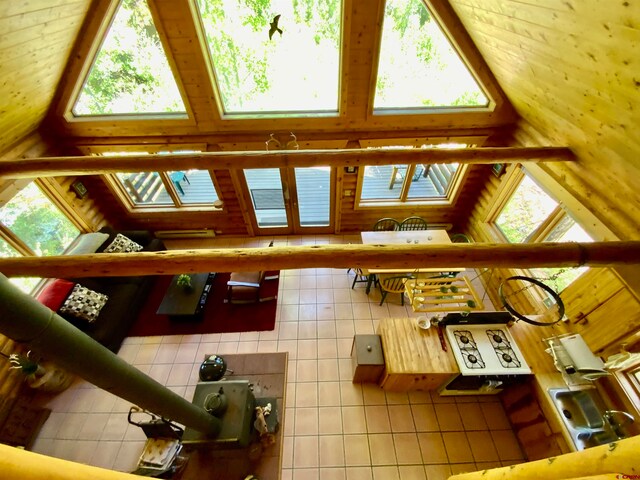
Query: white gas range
{"type": "Point", "coordinates": [487, 355]}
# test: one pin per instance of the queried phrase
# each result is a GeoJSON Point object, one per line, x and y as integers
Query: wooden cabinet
{"type": "Point", "coordinates": [537, 437]}
{"type": "Point", "coordinates": [414, 359]}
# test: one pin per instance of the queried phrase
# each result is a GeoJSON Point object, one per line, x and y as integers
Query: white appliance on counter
{"type": "Point", "coordinates": [487, 355]}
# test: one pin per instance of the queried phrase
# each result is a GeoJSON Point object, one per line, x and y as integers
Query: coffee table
{"type": "Point", "coordinates": [181, 304]}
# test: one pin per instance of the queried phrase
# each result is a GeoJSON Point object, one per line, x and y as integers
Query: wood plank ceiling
{"type": "Point", "coordinates": [572, 71]}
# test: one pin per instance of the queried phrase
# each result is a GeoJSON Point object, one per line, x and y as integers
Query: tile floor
{"type": "Point", "coordinates": [334, 429]}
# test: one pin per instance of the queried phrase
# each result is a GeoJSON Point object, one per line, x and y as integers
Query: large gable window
{"type": "Point", "coordinates": [530, 215]}
{"type": "Point", "coordinates": [260, 70]}
{"type": "Point", "coordinates": [31, 225]}
{"type": "Point", "coordinates": [130, 74]}
{"type": "Point", "coordinates": [418, 66]}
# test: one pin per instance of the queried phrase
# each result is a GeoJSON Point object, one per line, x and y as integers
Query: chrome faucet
{"type": "Point", "coordinates": [613, 418]}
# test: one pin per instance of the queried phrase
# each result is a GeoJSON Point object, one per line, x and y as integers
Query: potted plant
{"type": "Point", "coordinates": [184, 281]}
{"type": "Point", "coordinates": [41, 376]}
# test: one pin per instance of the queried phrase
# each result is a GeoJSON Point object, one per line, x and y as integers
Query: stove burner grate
{"type": "Point", "coordinates": [472, 359]}
{"type": "Point", "coordinates": [465, 340]}
{"type": "Point", "coordinates": [501, 345]}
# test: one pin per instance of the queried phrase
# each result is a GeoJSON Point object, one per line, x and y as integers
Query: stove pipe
{"type": "Point", "coordinates": [25, 320]}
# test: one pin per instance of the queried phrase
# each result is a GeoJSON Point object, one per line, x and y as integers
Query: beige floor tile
{"type": "Point", "coordinates": [290, 346]}
{"type": "Point", "coordinates": [494, 416]}
{"type": "Point", "coordinates": [377, 419]}
{"type": "Point", "coordinates": [329, 420]}
{"type": "Point", "coordinates": [305, 452]}
{"type": "Point", "coordinates": [438, 472]}
{"type": "Point", "coordinates": [328, 394]}
{"type": "Point", "coordinates": [448, 417]}
{"type": "Point", "coordinates": [328, 370]}
{"type": "Point", "coordinates": [487, 465]}
{"type": "Point", "coordinates": [407, 448]}
{"type": "Point", "coordinates": [412, 472]}
{"type": "Point", "coordinates": [289, 313]}
{"type": "Point", "coordinates": [351, 393]}
{"type": "Point", "coordinates": [354, 420]}
{"type": "Point", "coordinates": [325, 311]}
{"type": "Point", "coordinates": [418, 397]}
{"type": "Point", "coordinates": [306, 395]}
{"type": "Point", "coordinates": [288, 331]}
{"type": "Point", "coordinates": [306, 422]}
{"type": "Point", "coordinates": [331, 451]}
{"type": "Point", "coordinates": [386, 473]}
{"type": "Point", "coordinates": [401, 418]}
{"type": "Point", "coordinates": [333, 473]}
{"type": "Point", "coordinates": [307, 349]}
{"type": "Point", "coordinates": [507, 445]}
{"type": "Point", "coordinates": [359, 473]}
{"type": "Point", "coordinates": [382, 449]}
{"type": "Point", "coordinates": [289, 421]}
{"type": "Point", "coordinates": [432, 448]}
{"type": "Point", "coordinates": [287, 452]}
{"type": "Point", "coordinates": [307, 371]}
{"type": "Point", "coordinates": [345, 329]}
{"type": "Point", "coordinates": [306, 474]}
{"type": "Point", "coordinates": [397, 398]}
{"type": "Point", "coordinates": [356, 451]}
{"type": "Point", "coordinates": [308, 315]}
{"type": "Point", "coordinates": [327, 348]}
{"type": "Point", "coordinates": [462, 468]}
{"type": "Point", "coordinates": [424, 417]}
{"type": "Point", "coordinates": [373, 394]}
{"type": "Point", "coordinates": [326, 329]}
{"type": "Point", "coordinates": [472, 417]}
{"type": "Point", "coordinates": [361, 313]}
{"type": "Point", "coordinates": [457, 447]}
{"type": "Point", "coordinates": [128, 456]}
{"type": "Point", "coordinates": [482, 446]}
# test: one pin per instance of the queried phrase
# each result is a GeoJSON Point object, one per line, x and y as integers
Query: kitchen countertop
{"type": "Point", "coordinates": [409, 349]}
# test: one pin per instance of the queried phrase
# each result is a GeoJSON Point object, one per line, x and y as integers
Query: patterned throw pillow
{"type": "Point", "coordinates": [84, 303]}
{"type": "Point", "coordinates": [122, 244]}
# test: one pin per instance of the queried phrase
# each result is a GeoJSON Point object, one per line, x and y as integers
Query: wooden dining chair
{"type": "Point", "coordinates": [391, 283]}
{"type": "Point", "coordinates": [386, 225]}
{"type": "Point", "coordinates": [413, 223]}
{"type": "Point", "coordinates": [363, 275]}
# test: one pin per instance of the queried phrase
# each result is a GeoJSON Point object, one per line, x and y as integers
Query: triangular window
{"type": "Point", "coordinates": [274, 57]}
{"type": "Point", "coordinates": [130, 74]}
{"type": "Point", "coordinates": [418, 66]}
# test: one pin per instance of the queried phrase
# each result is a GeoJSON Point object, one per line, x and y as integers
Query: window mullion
{"type": "Point", "coordinates": [15, 242]}
{"type": "Point", "coordinates": [546, 227]}
{"type": "Point", "coordinates": [168, 184]}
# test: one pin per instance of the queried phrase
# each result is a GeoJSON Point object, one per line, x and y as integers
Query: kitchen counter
{"type": "Point", "coordinates": [414, 359]}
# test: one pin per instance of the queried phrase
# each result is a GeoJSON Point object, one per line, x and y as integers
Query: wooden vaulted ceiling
{"type": "Point", "coordinates": [569, 68]}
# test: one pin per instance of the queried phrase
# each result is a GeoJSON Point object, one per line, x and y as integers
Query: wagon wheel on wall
{"type": "Point", "coordinates": [538, 290]}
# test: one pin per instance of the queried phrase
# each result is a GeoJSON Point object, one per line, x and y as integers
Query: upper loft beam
{"type": "Point", "coordinates": [91, 165]}
{"type": "Point", "coordinates": [406, 258]}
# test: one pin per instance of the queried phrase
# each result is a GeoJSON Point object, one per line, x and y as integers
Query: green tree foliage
{"type": "Point", "coordinates": [34, 219]}
{"type": "Point", "coordinates": [468, 98]}
{"type": "Point", "coordinates": [130, 73]}
{"type": "Point", "coordinates": [321, 16]}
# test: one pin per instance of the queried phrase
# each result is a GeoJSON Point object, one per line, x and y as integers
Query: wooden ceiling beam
{"type": "Point", "coordinates": [91, 165]}
{"type": "Point", "coordinates": [410, 257]}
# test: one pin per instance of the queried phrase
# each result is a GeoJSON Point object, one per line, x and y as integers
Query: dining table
{"type": "Point", "coordinates": [407, 237]}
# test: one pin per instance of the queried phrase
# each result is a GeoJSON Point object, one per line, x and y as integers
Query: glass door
{"type": "Point", "coordinates": [269, 199]}
{"type": "Point", "coordinates": [312, 198]}
{"type": "Point", "coordinates": [296, 200]}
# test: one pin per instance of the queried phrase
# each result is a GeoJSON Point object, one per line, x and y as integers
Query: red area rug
{"type": "Point", "coordinates": [218, 317]}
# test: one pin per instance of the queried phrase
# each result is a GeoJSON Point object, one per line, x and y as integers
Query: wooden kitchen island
{"type": "Point", "coordinates": [414, 359]}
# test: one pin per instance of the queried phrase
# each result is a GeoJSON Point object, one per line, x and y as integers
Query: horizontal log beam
{"type": "Point", "coordinates": [91, 165]}
{"type": "Point", "coordinates": [407, 258]}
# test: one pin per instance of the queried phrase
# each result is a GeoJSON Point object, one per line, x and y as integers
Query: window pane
{"type": "Point", "coordinates": [145, 188]}
{"type": "Point", "coordinates": [382, 182]}
{"type": "Point", "coordinates": [194, 186]}
{"type": "Point", "coordinates": [295, 71]}
{"type": "Point", "coordinates": [527, 208]}
{"type": "Point", "coordinates": [313, 186]}
{"type": "Point", "coordinates": [418, 67]}
{"type": "Point", "coordinates": [566, 231]}
{"type": "Point", "coordinates": [267, 196]}
{"type": "Point", "coordinates": [37, 222]}
{"type": "Point", "coordinates": [26, 284]}
{"type": "Point", "coordinates": [432, 180]}
{"type": "Point", "coordinates": [131, 73]}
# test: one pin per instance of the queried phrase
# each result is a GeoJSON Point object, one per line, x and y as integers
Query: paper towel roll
{"type": "Point", "coordinates": [582, 357]}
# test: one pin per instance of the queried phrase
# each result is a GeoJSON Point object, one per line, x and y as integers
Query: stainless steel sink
{"type": "Point", "coordinates": [582, 412]}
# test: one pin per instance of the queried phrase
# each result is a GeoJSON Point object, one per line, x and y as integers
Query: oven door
{"type": "Point", "coordinates": [479, 384]}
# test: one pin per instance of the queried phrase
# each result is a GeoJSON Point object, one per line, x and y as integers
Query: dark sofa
{"type": "Point", "coordinates": [126, 295]}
